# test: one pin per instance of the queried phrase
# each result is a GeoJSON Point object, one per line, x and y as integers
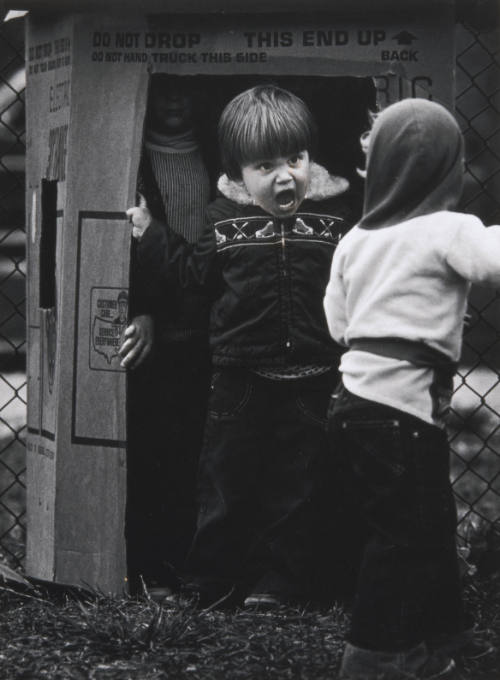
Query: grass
{"type": "Point", "coordinates": [136, 638]}
{"type": "Point", "coordinates": [103, 638]}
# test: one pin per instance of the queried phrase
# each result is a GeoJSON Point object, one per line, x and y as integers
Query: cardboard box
{"type": "Point", "coordinates": [87, 81]}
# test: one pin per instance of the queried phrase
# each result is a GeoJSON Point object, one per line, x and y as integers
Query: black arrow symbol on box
{"type": "Point", "coordinates": [405, 38]}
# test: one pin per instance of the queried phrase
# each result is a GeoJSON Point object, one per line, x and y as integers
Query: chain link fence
{"type": "Point", "coordinates": [12, 294]}
{"type": "Point", "coordinates": [475, 425]}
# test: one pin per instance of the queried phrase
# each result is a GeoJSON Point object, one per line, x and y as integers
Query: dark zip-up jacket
{"type": "Point", "coordinates": [266, 276]}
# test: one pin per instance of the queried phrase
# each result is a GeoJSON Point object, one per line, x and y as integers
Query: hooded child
{"type": "Point", "coordinates": [397, 299]}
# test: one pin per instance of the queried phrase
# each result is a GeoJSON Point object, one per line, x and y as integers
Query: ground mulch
{"type": "Point", "coordinates": [63, 637]}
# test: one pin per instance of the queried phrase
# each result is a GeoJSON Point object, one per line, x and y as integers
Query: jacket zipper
{"type": "Point", "coordinates": [288, 343]}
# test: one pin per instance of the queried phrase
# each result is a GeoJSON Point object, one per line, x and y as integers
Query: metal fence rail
{"type": "Point", "coordinates": [475, 426]}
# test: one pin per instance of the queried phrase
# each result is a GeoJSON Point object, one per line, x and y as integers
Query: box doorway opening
{"type": "Point", "coordinates": [164, 444]}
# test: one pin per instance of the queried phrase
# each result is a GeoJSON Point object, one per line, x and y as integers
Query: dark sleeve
{"type": "Point", "coordinates": [164, 256]}
{"type": "Point", "coordinates": [144, 296]}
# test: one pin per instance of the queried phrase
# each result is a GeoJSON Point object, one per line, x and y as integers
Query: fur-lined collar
{"type": "Point", "coordinates": [322, 185]}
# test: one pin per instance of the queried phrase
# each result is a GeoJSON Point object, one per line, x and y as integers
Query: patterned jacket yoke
{"type": "Point", "coordinates": [257, 230]}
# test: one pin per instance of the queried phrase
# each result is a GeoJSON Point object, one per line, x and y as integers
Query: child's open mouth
{"type": "Point", "coordinates": [285, 199]}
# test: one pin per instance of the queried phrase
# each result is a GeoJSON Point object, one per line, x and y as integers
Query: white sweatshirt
{"type": "Point", "coordinates": [409, 280]}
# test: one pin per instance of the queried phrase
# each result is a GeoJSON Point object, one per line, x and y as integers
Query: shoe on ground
{"type": "Point", "coordinates": [160, 593]}
{"type": "Point", "coordinates": [272, 591]}
{"type": "Point", "coordinates": [203, 595]}
{"type": "Point", "coordinates": [182, 600]}
{"type": "Point", "coordinates": [263, 601]}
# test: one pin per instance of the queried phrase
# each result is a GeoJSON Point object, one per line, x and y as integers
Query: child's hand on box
{"type": "Point", "coordinates": [138, 341]}
{"type": "Point", "coordinates": [140, 217]}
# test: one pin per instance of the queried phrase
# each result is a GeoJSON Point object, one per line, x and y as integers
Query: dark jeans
{"type": "Point", "coordinates": [167, 410]}
{"type": "Point", "coordinates": [398, 497]}
{"type": "Point", "coordinates": [264, 440]}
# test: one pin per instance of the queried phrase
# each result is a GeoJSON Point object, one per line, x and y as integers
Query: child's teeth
{"type": "Point", "coordinates": [286, 201]}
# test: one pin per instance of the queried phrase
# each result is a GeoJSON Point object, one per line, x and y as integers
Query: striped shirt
{"type": "Point", "coordinates": [184, 185]}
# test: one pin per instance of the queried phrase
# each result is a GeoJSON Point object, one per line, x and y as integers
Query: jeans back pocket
{"type": "Point", "coordinates": [377, 452]}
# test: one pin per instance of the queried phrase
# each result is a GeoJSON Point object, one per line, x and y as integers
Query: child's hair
{"type": "Point", "coordinates": [263, 122]}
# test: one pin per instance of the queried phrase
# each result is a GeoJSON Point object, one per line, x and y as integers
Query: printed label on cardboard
{"type": "Point", "coordinates": [108, 318]}
{"type": "Point", "coordinates": [33, 446]}
{"type": "Point", "coordinates": [101, 318]}
{"type": "Point", "coordinates": [378, 43]}
{"type": "Point", "coordinates": [389, 44]}
{"type": "Point", "coordinates": [49, 55]}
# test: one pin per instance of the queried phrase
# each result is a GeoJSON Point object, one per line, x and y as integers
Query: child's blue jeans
{"type": "Point", "coordinates": [397, 494]}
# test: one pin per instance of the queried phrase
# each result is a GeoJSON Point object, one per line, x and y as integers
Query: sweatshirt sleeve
{"type": "Point", "coordinates": [474, 252]}
{"type": "Point", "coordinates": [335, 303]}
